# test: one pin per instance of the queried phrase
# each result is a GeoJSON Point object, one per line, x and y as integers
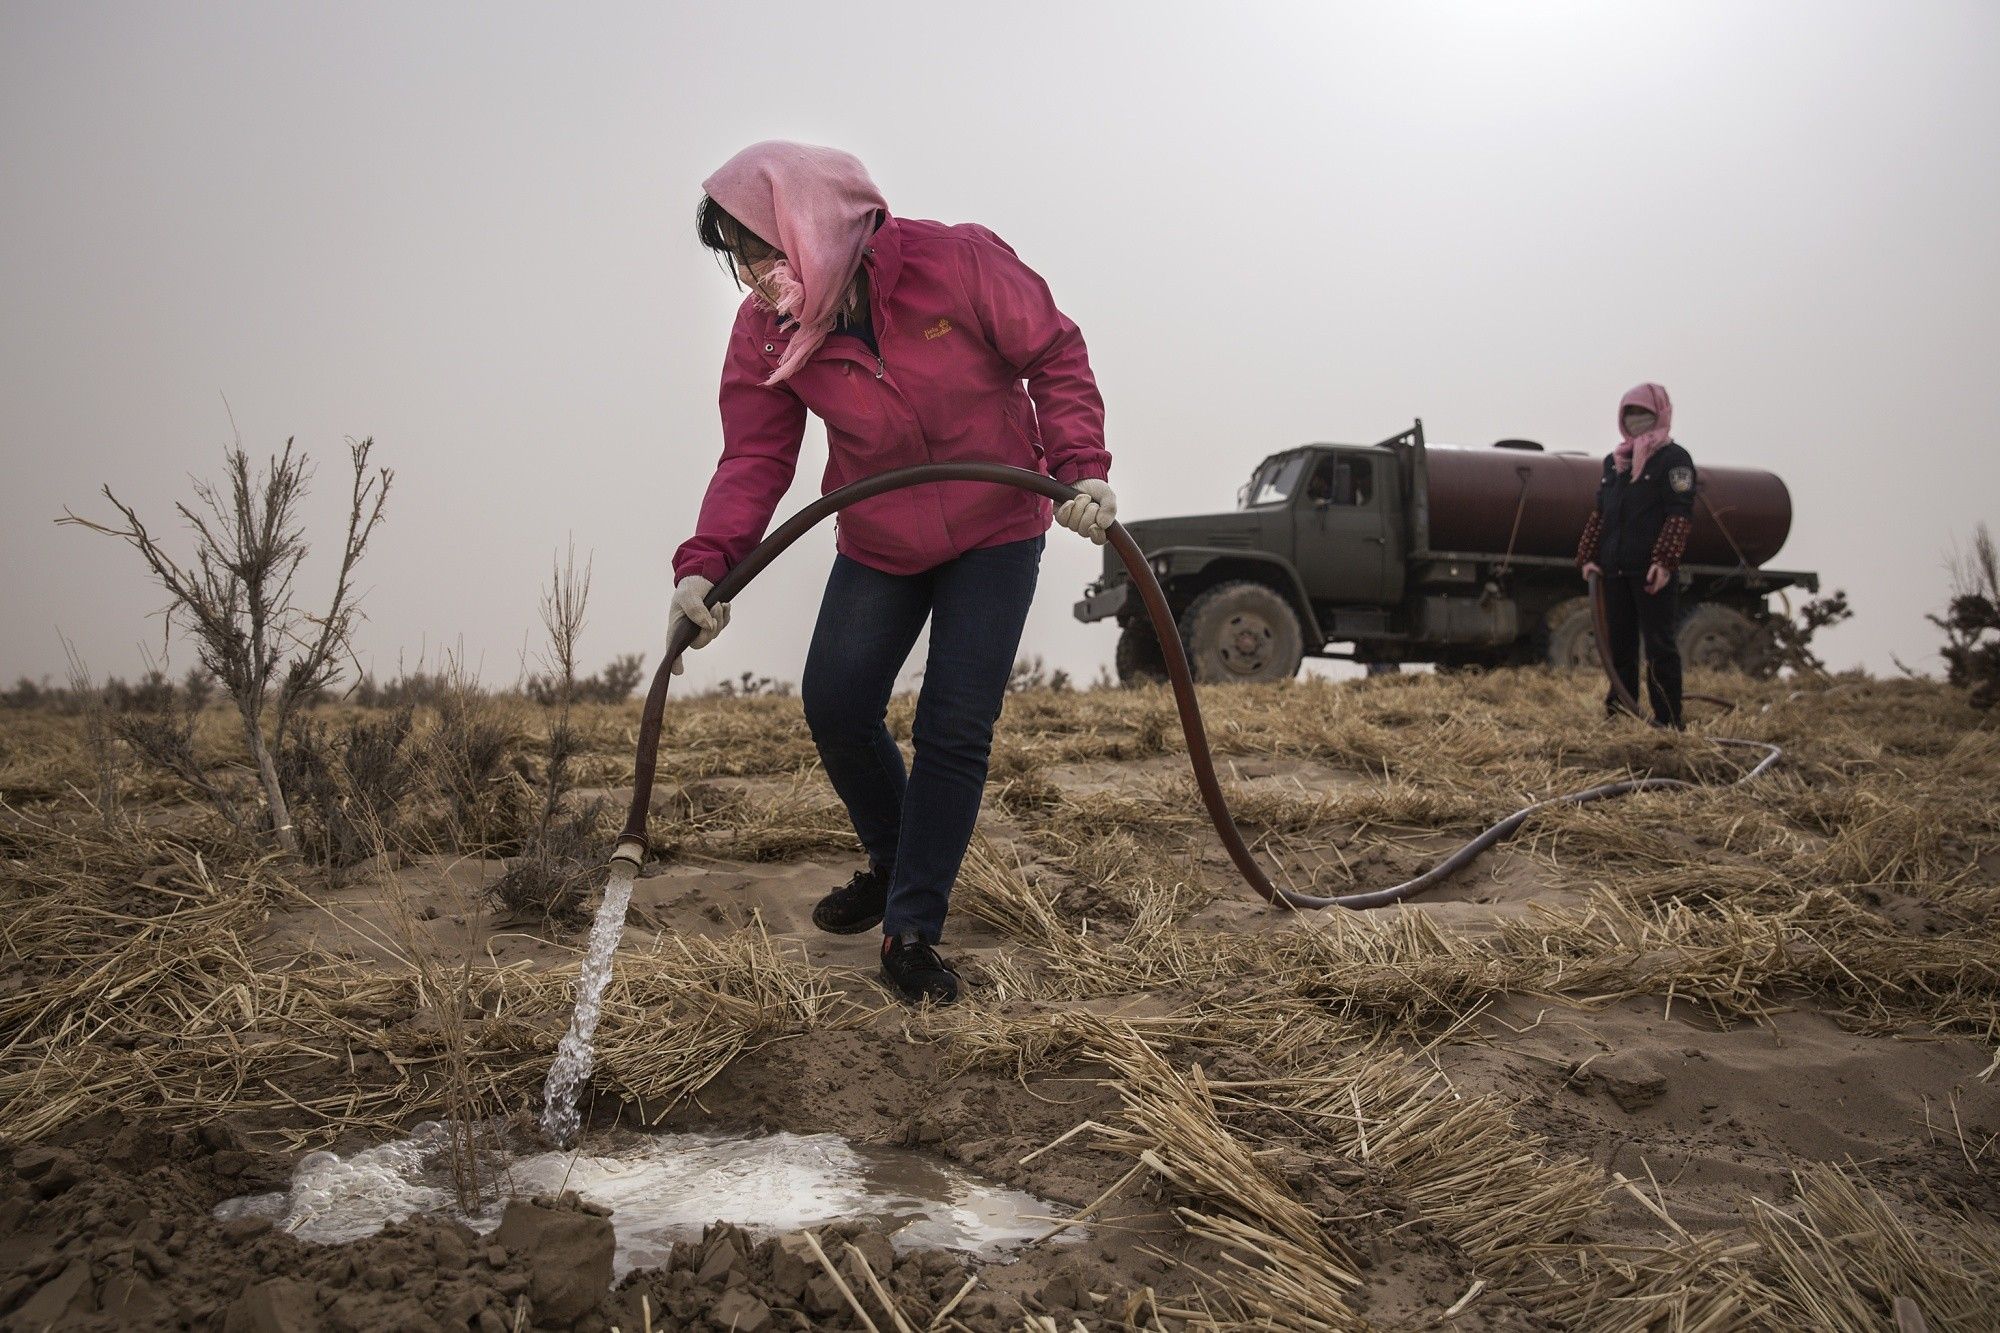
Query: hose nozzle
{"type": "Point", "coordinates": [632, 851]}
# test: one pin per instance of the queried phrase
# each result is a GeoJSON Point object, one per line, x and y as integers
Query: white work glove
{"type": "Point", "coordinates": [688, 605]}
{"type": "Point", "coordinates": [1091, 512]}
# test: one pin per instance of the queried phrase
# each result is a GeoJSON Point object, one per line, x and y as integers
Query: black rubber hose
{"type": "Point", "coordinates": [1178, 674]}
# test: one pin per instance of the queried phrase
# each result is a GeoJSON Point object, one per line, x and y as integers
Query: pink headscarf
{"type": "Point", "coordinates": [1633, 450]}
{"type": "Point", "coordinates": [818, 206]}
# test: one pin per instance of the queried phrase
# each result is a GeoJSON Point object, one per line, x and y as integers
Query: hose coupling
{"type": "Point", "coordinates": [630, 850]}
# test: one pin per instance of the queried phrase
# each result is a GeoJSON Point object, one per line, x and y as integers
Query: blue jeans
{"type": "Point", "coordinates": [916, 824]}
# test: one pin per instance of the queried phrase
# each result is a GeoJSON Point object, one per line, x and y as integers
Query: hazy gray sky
{"type": "Point", "coordinates": [465, 230]}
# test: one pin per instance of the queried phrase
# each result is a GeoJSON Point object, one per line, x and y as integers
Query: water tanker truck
{"type": "Point", "coordinates": [1405, 552]}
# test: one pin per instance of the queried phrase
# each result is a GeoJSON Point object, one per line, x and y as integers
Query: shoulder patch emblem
{"type": "Point", "coordinates": [1681, 479]}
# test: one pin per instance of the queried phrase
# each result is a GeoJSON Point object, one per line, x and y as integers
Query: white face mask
{"type": "Point", "coordinates": [1639, 422]}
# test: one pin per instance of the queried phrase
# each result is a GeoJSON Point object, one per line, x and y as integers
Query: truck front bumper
{"type": "Point", "coordinates": [1103, 603]}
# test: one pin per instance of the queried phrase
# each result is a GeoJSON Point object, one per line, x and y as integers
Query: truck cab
{"type": "Point", "coordinates": [1316, 540]}
{"type": "Point", "coordinates": [1343, 507]}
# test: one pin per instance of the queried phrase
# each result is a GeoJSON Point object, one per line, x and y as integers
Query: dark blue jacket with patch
{"type": "Point", "coordinates": [1634, 524]}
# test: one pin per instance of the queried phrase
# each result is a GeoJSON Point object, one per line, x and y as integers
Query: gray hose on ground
{"type": "Point", "coordinates": [633, 843]}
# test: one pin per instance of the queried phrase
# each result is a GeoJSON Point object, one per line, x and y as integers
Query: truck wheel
{"type": "Point", "coordinates": [1569, 635]}
{"type": "Point", "coordinates": [1721, 638]}
{"type": "Point", "coordinates": [1139, 659]}
{"type": "Point", "coordinates": [1242, 632]}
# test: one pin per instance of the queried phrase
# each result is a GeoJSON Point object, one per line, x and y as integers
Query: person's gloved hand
{"type": "Point", "coordinates": [1091, 512]}
{"type": "Point", "coordinates": [688, 605]}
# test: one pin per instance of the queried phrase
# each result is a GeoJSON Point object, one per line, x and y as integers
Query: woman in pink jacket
{"type": "Point", "coordinates": [913, 342]}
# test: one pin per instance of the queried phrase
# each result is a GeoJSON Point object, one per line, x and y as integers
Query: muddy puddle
{"type": "Point", "coordinates": [661, 1188]}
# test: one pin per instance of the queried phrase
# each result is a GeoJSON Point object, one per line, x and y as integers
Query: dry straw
{"type": "Point", "coordinates": [1252, 1067]}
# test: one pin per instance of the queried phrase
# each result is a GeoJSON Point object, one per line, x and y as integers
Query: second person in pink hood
{"type": "Point", "coordinates": [1632, 544]}
{"type": "Point", "coordinates": [914, 342]}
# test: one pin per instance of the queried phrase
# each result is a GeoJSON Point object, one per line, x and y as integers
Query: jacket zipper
{"type": "Point", "coordinates": [923, 437]}
{"type": "Point", "coordinates": [882, 373]}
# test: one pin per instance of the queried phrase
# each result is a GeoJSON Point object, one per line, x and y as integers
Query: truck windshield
{"type": "Point", "coordinates": [1274, 480]}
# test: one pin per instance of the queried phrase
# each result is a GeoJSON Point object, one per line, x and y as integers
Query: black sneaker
{"type": "Point", "coordinates": [855, 907]}
{"type": "Point", "coordinates": [916, 972]}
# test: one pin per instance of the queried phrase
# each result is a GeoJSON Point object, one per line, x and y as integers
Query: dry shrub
{"type": "Point", "coordinates": [1791, 636]}
{"type": "Point", "coordinates": [238, 601]}
{"type": "Point", "coordinates": [1029, 674]}
{"type": "Point", "coordinates": [473, 759]}
{"type": "Point", "coordinates": [612, 684]}
{"type": "Point", "coordinates": [165, 740]}
{"type": "Point", "coordinates": [551, 880]}
{"type": "Point", "coordinates": [560, 853]}
{"type": "Point", "coordinates": [1972, 622]}
{"type": "Point", "coordinates": [350, 783]}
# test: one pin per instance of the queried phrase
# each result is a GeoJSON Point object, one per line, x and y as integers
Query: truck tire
{"type": "Point", "coordinates": [1721, 638]}
{"type": "Point", "coordinates": [1139, 659]}
{"type": "Point", "coordinates": [1242, 632]}
{"type": "Point", "coordinates": [1569, 635]}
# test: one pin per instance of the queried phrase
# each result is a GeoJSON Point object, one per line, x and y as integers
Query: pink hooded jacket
{"type": "Point", "coordinates": [961, 323]}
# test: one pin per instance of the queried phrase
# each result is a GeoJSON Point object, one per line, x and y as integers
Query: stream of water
{"type": "Point", "coordinates": [577, 1054]}
{"type": "Point", "coordinates": [660, 1187]}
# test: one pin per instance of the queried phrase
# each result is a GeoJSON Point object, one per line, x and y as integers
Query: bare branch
{"type": "Point", "coordinates": [563, 605]}
{"type": "Point", "coordinates": [318, 667]}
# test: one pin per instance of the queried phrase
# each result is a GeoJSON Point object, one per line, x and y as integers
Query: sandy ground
{"type": "Point", "coordinates": [1692, 1121]}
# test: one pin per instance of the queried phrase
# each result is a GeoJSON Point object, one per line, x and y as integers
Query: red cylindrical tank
{"type": "Point", "coordinates": [1474, 494]}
